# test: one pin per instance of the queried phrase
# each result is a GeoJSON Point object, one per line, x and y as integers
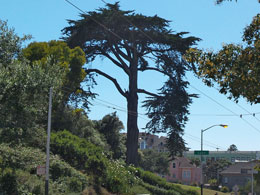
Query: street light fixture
{"type": "Point", "coordinates": [203, 130]}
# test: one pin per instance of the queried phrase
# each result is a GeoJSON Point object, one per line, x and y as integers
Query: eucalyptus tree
{"type": "Point", "coordinates": [137, 43]}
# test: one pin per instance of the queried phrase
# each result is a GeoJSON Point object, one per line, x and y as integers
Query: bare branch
{"type": "Point", "coordinates": [147, 92]}
{"type": "Point", "coordinates": [110, 78]}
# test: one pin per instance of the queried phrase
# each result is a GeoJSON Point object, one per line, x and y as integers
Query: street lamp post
{"type": "Point", "coordinates": [203, 130]}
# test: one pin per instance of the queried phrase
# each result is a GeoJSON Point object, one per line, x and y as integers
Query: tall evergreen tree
{"type": "Point", "coordinates": [136, 43]}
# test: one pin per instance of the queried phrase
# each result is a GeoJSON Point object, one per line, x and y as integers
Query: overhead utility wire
{"type": "Point", "coordinates": [194, 137]}
{"type": "Point", "coordinates": [99, 23]}
{"type": "Point", "coordinates": [241, 115]}
{"type": "Point", "coordinates": [152, 40]}
{"type": "Point", "coordinates": [114, 107]}
{"type": "Point", "coordinates": [148, 38]}
{"type": "Point", "coordinates": [209, 145]}
{"type": "Point", "coordinates": [226, 108]}
{"type": "Point", "coordinates": [134, 25]}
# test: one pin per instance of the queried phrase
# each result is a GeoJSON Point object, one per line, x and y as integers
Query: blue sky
{"type": "Point", "coordinates": [215, 25]}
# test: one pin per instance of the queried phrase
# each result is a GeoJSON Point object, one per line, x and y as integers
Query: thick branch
{"type": "Point", "coordinates": [113, 60]}
{"type": "Point", "coordinates": [123, 64]}
{"type": "Point", "coordinates": [127, 48]}
{"type": "Point", "coordinates": [147, 92]}
{"type": "Point", "coordinates": [126, 57]}
{"type": "Point", "coordinates": [155, 69]}
{"type": "Point", "coordinates": [110, 78]}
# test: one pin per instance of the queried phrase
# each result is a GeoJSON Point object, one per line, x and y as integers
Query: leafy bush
{"type": "Point", "coordinates": [138, 189]}
{"type": "Point", "coordinates": [79, 153]}
{"type": "Point", "coordinates": [213, 184]}
{"type": "Point", "coordinates": [18, 169]}
{"type": "Point", "coordinates": [224, 189]}
{"type": "Point", "coordinates": [159, 191]}
{"type": "Point", "coordinates": [8, 183]}
{"type": "Point", "coordinates": [118, 178]}
{"type": "Point", "coordinates": [154, 180]}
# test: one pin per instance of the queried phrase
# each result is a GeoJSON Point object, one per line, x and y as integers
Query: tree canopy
{"type": "Point", "coordinates": [110, 126]}
{"type": "Point", "coordinates": [137, 43]}
{"type": "Point", "coordinates": [71, 60]}
{"type": "Point", "coordinates": [10, 43]}
{"type": "Point", "coordinates": [232, 148]}
{"type": "Point", "coordinates": [235, 68]}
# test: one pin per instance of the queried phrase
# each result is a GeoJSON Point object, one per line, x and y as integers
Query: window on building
{"type": "Point", "coordinates": [143, 145]}
{"type": "Point", "coordinates": [173, 165]}
{"type": "Point", "coordinates": [186, 174]}
{"type": "Point", "coordinates": [245, 171]}
{"type": "Point", "coordinates": [225, 180]}
{"type": "Point", "coordinates": [173, 175]}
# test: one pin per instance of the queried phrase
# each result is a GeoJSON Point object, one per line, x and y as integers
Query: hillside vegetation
{"type": "Point", "coordinates": [87, 157]}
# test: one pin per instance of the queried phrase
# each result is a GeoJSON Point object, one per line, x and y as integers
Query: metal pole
{"type": "Point", "coordinates": [201, 177]}
{"type": "Point", "coordinates": [252, 180]}
{"type": "Point", "coordinates": [48, 145]}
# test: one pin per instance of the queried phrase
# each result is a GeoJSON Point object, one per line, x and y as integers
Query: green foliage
{"type": "Point", "coordinates": [138, 189]}
{"type": "Point", "coordinates": [18, 167]}
{"type": "Point", "coordinates": [221, 1]}
{"type": "Point", "coordinates": [232, 148]}
{"type": "Point", "coordinates": [70, 60]}
{"type": "Point", "coordinates": [224, 189]}
{"type": "Point", "coordinates": [77, 122]}
{"type": "Point", "coordinates": [213, 184]}
{"type": "Point", "coordinates": [110, 126]}
{"type": "Point", "coordinates": [159, 185]}
{"type": "Point", "coordinates": [79, 153]}
{"type": "Point", "coordinates": [24, 99]}
{"type": "Point", "coordinates": [195, 161]}
{"type": "Point", "coordinates": [10, 44]}
{"type": "Point", "coordinates": [156, 162]}
{"type": "Point", "coordinates": [257, 176]}
{"type": "Point", "coordinates": [244, 190]}
{"type": "Point", "coordinates": [8, 183]}
{"type": "Point", "coordinates": [214, 166]}
{"type": "Point", "coordinates": [119, 179]}
{"type": "Point", "coordinates": [235, 68]}
{"type": "Point", "coordinates": [131, 51]}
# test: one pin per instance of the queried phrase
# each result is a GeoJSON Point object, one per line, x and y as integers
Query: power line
{"type": "Point", "coordinates": [99, 23]}
{"type": "Point", "coordinates": [225, 108]}
{"type": "Point", "coordinates": [249, 113]}
{"type": "Point", "coordinates": [122, 109]}
{"type": "Point", "coordinates": [137, 114]}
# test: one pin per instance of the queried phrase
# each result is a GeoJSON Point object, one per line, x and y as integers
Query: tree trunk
{"type": "Point", "coordinates": [132, 130]}
{"type": "Point", "coordinates": [132, 105]}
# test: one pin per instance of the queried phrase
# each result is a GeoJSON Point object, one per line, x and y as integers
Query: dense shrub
{"type": "Point", "coordinates": [8, 183]}
{"type": "Point", "coordinates": [18, 171]}
{"type": "Point", "coordinates": [119, 179]}
{"type": "Point", "coordinates": [79, 153]}
{"type": "Point", "coordinates": [224, 189]}
{"type": "Point", "coordinates": [154, 180]}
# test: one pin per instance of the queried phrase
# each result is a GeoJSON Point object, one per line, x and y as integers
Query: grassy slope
{"type": "Point", "coordinates": [206, 191]}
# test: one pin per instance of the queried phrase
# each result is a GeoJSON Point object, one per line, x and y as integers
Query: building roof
{"type": "Point", "coordinates": [184, 162]}
{"type": "Point", "coordinates": [236, 168]}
